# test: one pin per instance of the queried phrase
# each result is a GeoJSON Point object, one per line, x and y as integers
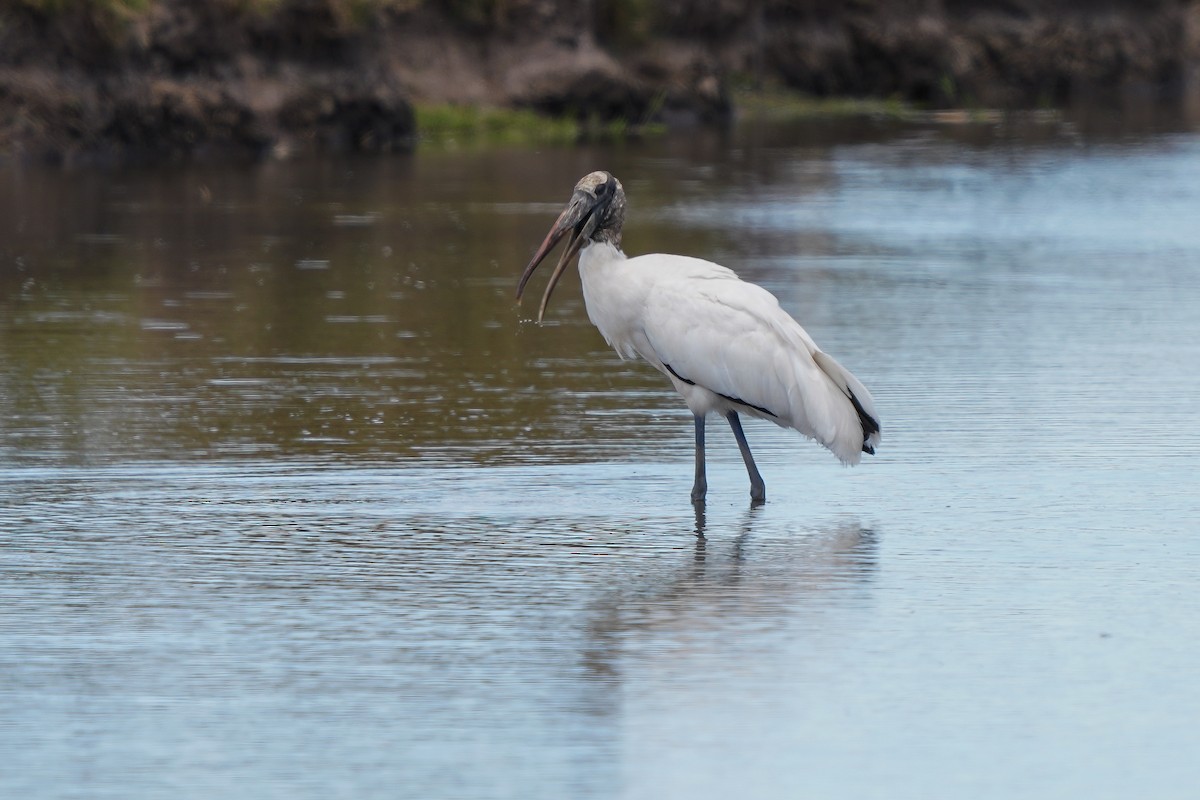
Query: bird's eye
{"type": "Point", "coordinates": [601, 189]}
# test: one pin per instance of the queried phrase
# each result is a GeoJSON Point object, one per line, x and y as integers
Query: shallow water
{"type": "Point", "coordinates": [294, 504]}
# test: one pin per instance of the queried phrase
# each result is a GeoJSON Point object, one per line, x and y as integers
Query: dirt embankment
{"type": "Point", "coordinates": [187, 78]}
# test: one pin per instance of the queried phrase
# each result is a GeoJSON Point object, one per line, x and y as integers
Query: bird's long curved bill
{"type": "Point", "coordinates": [570, 220]}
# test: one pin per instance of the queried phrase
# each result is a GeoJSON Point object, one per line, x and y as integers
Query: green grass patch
{"type": "Point", "coordinates": [782, 104]}
{"type": "Point", "coordinates": [444, 125]}
{"type": "Point", "coordinates": [453, 125]}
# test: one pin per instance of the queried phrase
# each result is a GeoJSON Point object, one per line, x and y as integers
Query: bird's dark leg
{"type": "Point", "coordinates": [758, 489]}
{"type": "Point", "coordinates": [700, 487]}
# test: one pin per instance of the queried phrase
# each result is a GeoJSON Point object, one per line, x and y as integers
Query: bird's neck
{"type": "Point", "coordinates": [608, 236]}
{"type": "Point", "coordinates": [601, 251]}
{"type": "Point", "coordinates": [610, 297]}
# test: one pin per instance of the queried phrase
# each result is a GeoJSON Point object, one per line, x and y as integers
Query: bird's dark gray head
{"type": "Point", "coordinates": [607, 197]}
{"type": "Point", "coordinates": [594, 213]}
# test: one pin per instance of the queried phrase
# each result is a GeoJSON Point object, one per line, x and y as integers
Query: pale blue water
{"type": "Point", "coordinates": [293, 505]}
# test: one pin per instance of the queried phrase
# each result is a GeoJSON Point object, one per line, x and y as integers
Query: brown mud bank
{"type": "Point", "coordinates": [194, 78]}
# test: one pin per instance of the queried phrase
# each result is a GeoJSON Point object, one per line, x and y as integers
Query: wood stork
{"type": "Point", "coordinates": [726, 345]}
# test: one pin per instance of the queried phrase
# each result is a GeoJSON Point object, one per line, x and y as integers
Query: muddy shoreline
{"type": "Point", "coordinates": [217, 78]}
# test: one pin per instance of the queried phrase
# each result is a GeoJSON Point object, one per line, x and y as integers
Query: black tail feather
{"type": "Point", "coordinates": [870, 425]}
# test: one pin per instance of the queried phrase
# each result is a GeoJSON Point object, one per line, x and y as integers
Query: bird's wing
{"type": "Point", "coordinates": [709, 328]}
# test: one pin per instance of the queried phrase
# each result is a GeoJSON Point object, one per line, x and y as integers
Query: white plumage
{"type": "Point", "coordinates": [726, 345]}
{"type": "Point", "coordinates": [729, 338]}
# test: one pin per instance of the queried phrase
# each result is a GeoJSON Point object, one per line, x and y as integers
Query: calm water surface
{"type": "Point", "coordinates": [295, 503]}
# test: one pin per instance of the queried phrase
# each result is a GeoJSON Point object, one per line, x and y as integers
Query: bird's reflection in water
{"type": "Point", "coordinates": [762, 576]}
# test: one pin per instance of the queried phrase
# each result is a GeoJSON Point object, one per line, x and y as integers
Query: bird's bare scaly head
{"type": "Point", "coordinates": [594, 213]}
{"type": "Point", "coordinates": [609, 196]}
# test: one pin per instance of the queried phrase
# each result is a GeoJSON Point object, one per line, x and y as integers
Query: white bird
{"type": "Point", "coordinates": [726, 345]}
